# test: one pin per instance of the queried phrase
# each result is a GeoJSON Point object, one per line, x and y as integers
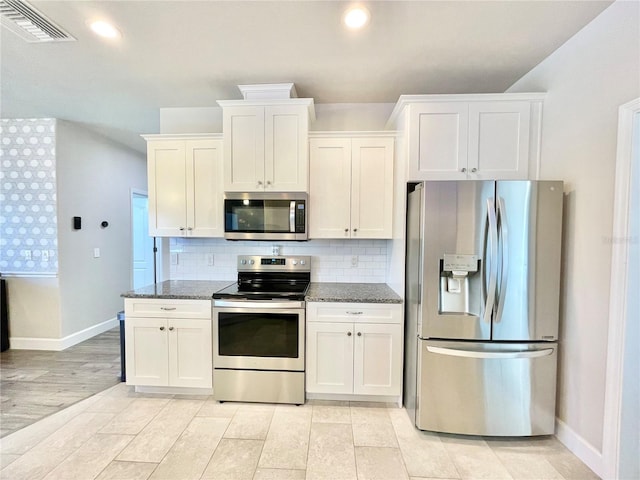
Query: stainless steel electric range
{"type": "Point", "coordinates": [259, 331]}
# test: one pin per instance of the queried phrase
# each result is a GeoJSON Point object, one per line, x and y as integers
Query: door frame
{"type": "Point", "coordinates": [618, 290]}
{"type": "Point", "coordinates": [157, 265]}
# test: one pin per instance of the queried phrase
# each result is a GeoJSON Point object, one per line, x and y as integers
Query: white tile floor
{"type": "Point", "coordinates": [119, 434]}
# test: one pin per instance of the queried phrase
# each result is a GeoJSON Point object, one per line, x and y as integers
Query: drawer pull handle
{"type": "Point", "coordinates": [162, 329]}
{"type": "Point", "coordinates": [168, 308]}
{"type": "Point", "coordinates": [170, 329]}
{"type": "Point", "coordinates": [359, 334]}
{"type": "Point", "coordinates": [354, 313]}
{"type": "Point", "coordinates": [348, 334]}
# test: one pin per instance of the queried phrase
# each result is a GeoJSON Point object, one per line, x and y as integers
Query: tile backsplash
{"type": "Point", "coordinates": [362, 261]}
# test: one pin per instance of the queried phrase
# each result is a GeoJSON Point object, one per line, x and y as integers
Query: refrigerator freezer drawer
{"type": "Point", "coordinates": [493, 389]}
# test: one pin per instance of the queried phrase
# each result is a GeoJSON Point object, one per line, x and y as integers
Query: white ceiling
{"type": "Point", "coordinates": [192, 53]}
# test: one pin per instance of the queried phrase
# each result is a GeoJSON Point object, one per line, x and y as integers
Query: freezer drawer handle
{"type": "Point", "coordinates": [483, 354]}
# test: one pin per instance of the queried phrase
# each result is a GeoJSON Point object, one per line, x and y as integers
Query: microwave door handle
{"type": "Point", "coordinates": [292, 216]}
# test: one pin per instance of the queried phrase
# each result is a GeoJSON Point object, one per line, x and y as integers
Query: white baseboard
{"type": "Point", "coordinates": [58, 344]}
{"type": "Point", "coordinates": [582, 449]}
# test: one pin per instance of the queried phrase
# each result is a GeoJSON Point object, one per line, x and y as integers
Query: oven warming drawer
{"type": "Point", "coordinates": [258, 386]}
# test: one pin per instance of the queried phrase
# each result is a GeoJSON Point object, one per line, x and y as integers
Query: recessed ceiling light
{"type": "Point", "coordinates": [105, 29]}
{"type": "Point", "coordinates": [356, 17]}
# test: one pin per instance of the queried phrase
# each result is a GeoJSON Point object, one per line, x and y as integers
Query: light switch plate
{"type": "Point", "coordinates": [96, 252]}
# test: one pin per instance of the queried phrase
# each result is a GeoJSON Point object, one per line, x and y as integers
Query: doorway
{"type": "Point", "coordinates": [143, 250]}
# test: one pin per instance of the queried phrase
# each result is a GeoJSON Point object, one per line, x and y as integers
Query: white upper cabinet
{"type": "Point", "coordinates": [266, 146]}
{"type": "Point", "coordinates": [351, 187]}
{"type": "Point", "coordinates": [470, 137]}
{"type": "Point", "coordinates": [185, 186]}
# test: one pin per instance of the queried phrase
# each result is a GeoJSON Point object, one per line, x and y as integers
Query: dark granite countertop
{"type": "Point", "coordinates": [318, 292]}
{"type": "Point", "coordinates": [179, 289]}
{"type": "Point", "coordinates": [352, 292]}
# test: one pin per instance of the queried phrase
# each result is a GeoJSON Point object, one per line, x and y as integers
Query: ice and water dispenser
{"type": "Point", "coordinates": [459, 284]}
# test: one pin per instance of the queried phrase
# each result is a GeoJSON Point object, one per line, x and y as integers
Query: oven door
{"type": "Point", "coordinates": [258, 335]}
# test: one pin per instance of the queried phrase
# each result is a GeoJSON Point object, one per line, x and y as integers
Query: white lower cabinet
{"type": "Point", "coordinates": [354, 348]}
{"type": "Point", "coordinates": [171, 345]}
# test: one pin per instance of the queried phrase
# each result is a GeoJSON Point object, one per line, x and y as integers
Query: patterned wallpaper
{"type": "Point", "coordinates": [28, 229]}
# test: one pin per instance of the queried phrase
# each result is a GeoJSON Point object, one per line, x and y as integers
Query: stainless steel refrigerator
{"type": "Point", "coordinates": [482, 300]}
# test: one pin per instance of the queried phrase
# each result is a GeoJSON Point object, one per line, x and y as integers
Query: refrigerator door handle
{"type": "Point", "coordinates": [492, 261]}
{"type": "Point", "coordinates": [504, 258]}
{"type": "Point", "coordinates": [490, 354]}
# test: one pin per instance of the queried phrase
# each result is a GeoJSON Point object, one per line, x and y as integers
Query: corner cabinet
{"type": "Point", "coordinates": [351, 186]}
{"type": "Point", "coordinates": [185, 185]}
{"type": "Point", "coordinates": [168, 343]}
{"type": "Point", "coordinates": [470, 137]}
{"type": "Point", "coordinates": [265, 145]}
{"type": "Point", "coordinates": [354, 348]}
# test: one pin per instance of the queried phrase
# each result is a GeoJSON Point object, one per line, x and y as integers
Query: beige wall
{"type": "Point", "coordinates": [587, 79]}
{"type": "Point", "coordinates": [34, 308]}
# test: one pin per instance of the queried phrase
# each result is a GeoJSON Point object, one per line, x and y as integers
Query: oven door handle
{"type": "Point", "coordinates": [268, 305]}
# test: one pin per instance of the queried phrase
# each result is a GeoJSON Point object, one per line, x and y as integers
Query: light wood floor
{"type": "Point", "coordinates": [35, 384]}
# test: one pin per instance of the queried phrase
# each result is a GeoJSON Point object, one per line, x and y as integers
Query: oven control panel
{"type": "Point", "coordinates": [254, 263]}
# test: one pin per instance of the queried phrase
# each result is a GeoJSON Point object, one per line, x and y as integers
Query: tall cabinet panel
{"type": "Point", "coordinates": [286, 165]}
{"type": "Point", "coordinates": [371, 187]}
{"type": "Point", "coordinates": [330, 188]}
{"type": "Point", "coordinates": [167, 188]}
{"type": "Point", "coordinates": [499, 139]}
{"type": "Point", "coordinates": [244, 148]}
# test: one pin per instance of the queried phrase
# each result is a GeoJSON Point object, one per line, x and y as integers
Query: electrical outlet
{"type": "Point", "coordinates": [174, 258]}
{"type": "Point", "coordinates": [354, 261]}
{"type": "Point", "coordinates": [27, 254]}
{"type": "Point", "coordinates": [210, 259]}
{"type": "Point", "coordinates": [96, 252]}
{"type": "Point", "coordinates": [44, 255]}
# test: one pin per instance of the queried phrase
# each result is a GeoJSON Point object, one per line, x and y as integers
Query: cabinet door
{"type": "Point", "coordinates": [377, 368]}
{"type": "Point", "coordinates": [243, 149]}
{"type": "Point", "coordinates": [190, 355]}
{"type": "Point", "coordinates": [330, 188]}
{"type": "Point", "coordinates": [499, 140]}
{"type": "Point", "coordinates": [371, 187]}
{"type": "Point", "coordinates": [438, 134]}
{"type": "Point", "coordinates": [204, 188]}
{"type": "Point", "coordinates": [329, 363]}
{"type": "Point", "coordinates": [146, 351]}
{"type": "Point", "coordinates": [167, 188]}
{"type": "Point", "coordinates": [286, 157]}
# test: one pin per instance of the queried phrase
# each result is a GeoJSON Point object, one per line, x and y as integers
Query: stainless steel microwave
{"type": "Point", "coordinates": [265, 216]}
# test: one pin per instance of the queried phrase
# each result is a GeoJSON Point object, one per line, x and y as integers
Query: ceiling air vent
{"type": "Point", "coordinates": [25, 21]}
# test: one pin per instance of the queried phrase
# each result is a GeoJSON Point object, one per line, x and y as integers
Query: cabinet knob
{"type": "Point", "coordinates": [348, 334]}
{"type": "Point", "coordinates": [171, 329]}
{"type": "Point", "coordinates": [182, 229]}
{"type": "Point", "coordinates": [346, 230]}
{"type": "Point", "coordinates": [355, 230]}
{"type": "Point", "coordinates": [259, 182]}
{"type": "Point", "coordinates": [474, 169]}
{"type": "Point", "coordinates": [359, 334]}
{"type": "Point", "coordinates": [268, 182]}
{"type": "Point", "coordinates": [161, 328]}
{"type": "Point", "coordinates": [190, 228]}
{"type": "Point", "coordinates": [463, 169]}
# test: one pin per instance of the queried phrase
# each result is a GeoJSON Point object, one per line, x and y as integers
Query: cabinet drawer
{"type": "Point", "coordinates": [147, 307]}
{"type": "Point", "coordinates": [354, 312]}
